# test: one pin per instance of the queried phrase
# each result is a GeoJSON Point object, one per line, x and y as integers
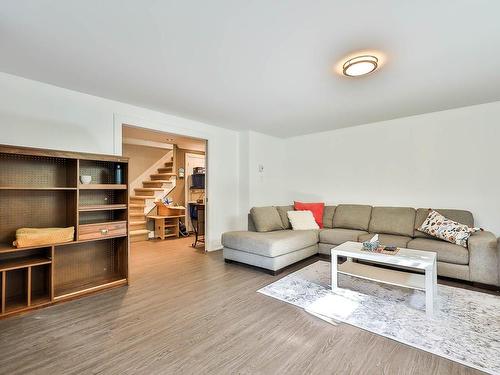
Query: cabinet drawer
{"type": "Point", "coordinates": [102, 230]}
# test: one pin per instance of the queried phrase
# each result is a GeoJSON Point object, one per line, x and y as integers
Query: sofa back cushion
{"type": "Point", "coordinates": [251, 225]}
{"type": "Point", "coordinates": [460, 216]}
{"type": "Point", "coordinates": [266, 219]}
{"type": "Point", "coordinates": [352, 216]}
{"type": "Point", "coordinates": [282, 210]}
{"type": "Point", "coordinates": [393, 220]}
{"type": "Point", "coordinates": [328, 213]}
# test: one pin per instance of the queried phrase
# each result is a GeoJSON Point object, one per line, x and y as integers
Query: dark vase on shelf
{"type": "Point", "coordinates": [118, 175]}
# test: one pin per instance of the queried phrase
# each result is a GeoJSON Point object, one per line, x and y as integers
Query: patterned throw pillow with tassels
{"type": "Point", "coordinates": [446, 229]}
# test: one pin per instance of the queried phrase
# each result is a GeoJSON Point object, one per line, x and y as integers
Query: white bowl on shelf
{"type": "Point", "coordinates": [86, 179]}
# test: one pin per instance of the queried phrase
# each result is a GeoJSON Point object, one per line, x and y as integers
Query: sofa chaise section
{"type": "Point", "coordinates": [269, 250]}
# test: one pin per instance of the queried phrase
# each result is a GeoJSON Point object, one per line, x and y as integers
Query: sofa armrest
{"type": "Point", "coordinates": [484, 258]}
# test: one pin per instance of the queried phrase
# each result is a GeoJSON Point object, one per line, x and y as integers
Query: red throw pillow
{"type": "Point", "coordinates": [316, 209]}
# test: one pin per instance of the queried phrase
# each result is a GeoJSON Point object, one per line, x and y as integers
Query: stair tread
{"type": "Point", "coordinates": [148, 189]}
{"type": "Point", "coordinates": [136, 205]}
{"type": "Point", "coordinates": [156, 181]}
{"type": "Point", "coordinates": [143, 197]}
{"type": "Point", "coordinates": [138, 231]}
{"type": "Point", "coordinates": [137, 214]}
{"type": "Point", "coordinates": [163, 174]}
{"type": "Point", "coordinates": [169, 163]}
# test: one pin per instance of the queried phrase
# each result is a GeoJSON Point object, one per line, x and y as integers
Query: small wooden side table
{"type": "Point", "coordinates": [166, 226]}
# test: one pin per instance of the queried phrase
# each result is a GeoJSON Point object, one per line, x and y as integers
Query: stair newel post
{"type": "Point", "coordinates": [174, 159]}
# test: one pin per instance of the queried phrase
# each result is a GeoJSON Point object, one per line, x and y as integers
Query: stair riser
{"type": "Point", "coordinates": [154, 184]}
{"type": "Point", "coordinates": [165, 170]}
{"type": "Point", "coordinates": [138, 200]}
{"type": "Point", "coordinates": [146, 193]}
{"type": "Point", "coordinates": [139, 237]}
{"type": "Point", "coordinates": [139, 216]}
{"type": "Point", "coordinates": [136, 210]}
{"type": "Point", "coordinates": [162, 176]}
{"type": "Point", "coordinates": [137, 227]}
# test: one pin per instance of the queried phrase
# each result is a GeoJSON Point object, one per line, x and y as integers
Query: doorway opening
{"type": "Point", "coordinates": [167, 186]}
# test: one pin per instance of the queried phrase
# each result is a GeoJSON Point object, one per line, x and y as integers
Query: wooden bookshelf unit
{"type": "Point", "coordinates": [41, 188]}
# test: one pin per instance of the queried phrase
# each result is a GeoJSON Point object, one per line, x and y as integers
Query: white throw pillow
{"type": "Point", "coordinates": [302, 220]}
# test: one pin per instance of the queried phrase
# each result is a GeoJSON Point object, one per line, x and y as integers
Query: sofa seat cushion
{"type": "Point", "coordinates": [446, 252]}
{"type": "Point", "coordinates": [270, 244]}
{"type": "Point", "coordinates": [352, 216]}
{"type": "Point", "coordinates": [338, 236]}
{"type": "Point", "coordinates": [387, 239]}
{"type": "Point", "coordinates": [393, 220]}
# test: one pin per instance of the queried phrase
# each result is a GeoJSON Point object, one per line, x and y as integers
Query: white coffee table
{"type": "Point", "coordinates": [405, 258]}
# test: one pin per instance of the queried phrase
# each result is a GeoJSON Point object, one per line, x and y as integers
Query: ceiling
{"type": "Point", "coordinates": [130, 132]}
{"type": "Point", "coordinates": [263, 65]}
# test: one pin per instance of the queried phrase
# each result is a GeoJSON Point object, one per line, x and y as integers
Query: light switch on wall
{"type": "Point", "coordinates": [261, 168]}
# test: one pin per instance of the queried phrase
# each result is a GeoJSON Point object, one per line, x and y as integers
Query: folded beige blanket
{"type": "Point", "coordinates": [43, 236]}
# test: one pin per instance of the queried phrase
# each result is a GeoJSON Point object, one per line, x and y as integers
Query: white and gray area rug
{"type": "Point", "coordinates": [465, 328]}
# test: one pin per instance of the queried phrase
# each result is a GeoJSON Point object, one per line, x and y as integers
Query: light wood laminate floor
{"type": "Point", "coordinates": [190, 313]}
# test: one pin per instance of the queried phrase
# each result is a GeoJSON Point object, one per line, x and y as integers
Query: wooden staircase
{"type": "Point", "coordinates": [158, 186]}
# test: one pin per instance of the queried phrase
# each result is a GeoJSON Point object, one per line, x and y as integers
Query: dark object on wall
{"type": "Point", "coordinates": [180, 173]}
{"type": "Point", "coordinates": [198, 181]}
{"type": "Point", "coordinates": [199, 170]}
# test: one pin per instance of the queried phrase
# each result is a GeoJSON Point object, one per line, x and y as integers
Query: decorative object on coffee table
{"type": "Point", "coordinates": [372, 244]}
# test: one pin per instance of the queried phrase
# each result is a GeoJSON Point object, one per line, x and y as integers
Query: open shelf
{"type": "Point", "coordinates": [8, 248]}
{"type": "Point", "coordinates": [40, 284]}
{"type": "Point", "coordinates": [102, 207]}
{"type": "Point", "coordinates": [35, 209]}
{"type": "Point", "coordinates": [37, 172]}
{"type": "Point", "coordinates": [104, 197]}
{"type": "Point", "coordinates": [102, 172]}
{"type": "Point", "coordinates": [85, 265]}
{"type": "Point", "coordinates": [89, 285]}
{"type": "Point", "coordinates": [102, 187]}
{"type": "Point", "coordinates": [16, 263]}
{"type": "Point", "coordinates": [102, 216]}
{"type": "Point", "coordinates": [16, 288]}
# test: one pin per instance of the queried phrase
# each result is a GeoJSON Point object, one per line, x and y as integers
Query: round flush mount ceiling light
{"type": "Point", "coordinates": [360, 65]}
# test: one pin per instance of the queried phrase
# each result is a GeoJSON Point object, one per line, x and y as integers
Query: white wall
{"type": "Point", "coordinates": [266, 187]}
{"type": "Point", "coordinates": [443, 159]}
{"type": "Point", "coordinates": [40, 115]}
{"type": "Point", "coordinates": [448, 159]}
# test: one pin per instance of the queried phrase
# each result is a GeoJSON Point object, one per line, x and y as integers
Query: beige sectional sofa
{"type": "Point", "coordinates": [479, 262]}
